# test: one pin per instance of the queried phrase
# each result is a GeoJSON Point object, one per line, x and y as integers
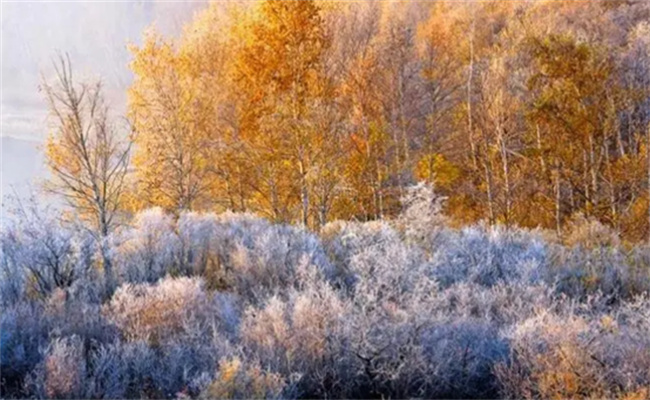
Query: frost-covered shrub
{"type": "Point", "coordinates": [232, 251]}
{"type": "Point", "coordinates": [238, 380]}
{"type": "Point", "coordinates": [261, 260]}
{"type": "Point", "coordinates": [572, 356]}
{"type": "Point", "coordinates": [68, 316]}
{"type": "Point", "coordinates": [138, 370]}
{"type": "Point", "coordinates": [390, 305]}
{"type": "Point", "coordinates": [489, 255]}
{"type": "Point", "coordinates": [40, 254]}
{"type": "Point", "coordinates": [180, 365]}
{"type": "Point", "coordinates": [421, 219]}
{"type": "Point", "coordinates": [300, 337]}
{"type": "Point", "coordinates": [22, 334]}
{"type": "Point", "coordinates": [62, 373]}
{"type": "Point", "coordinates": [343, 240]}
{"type": "Point", "coordinates": [148, 249]}
{"type": "Point", "coordinates": [392, 272]}
{"type": "Point", "coordinates": [590, 233]}
{"type": "Point", "coordinates": [155, 313]}
{"type": "Point", "coordinates": [27, 328]}
{"type": "Point", "coordinates": [615, 272]}
{"type": "Point", "coordinates": [125, 369]}
{"type": "Point", "coordinates": [12, 276]}
{"type": "Point", "coordinates": [226, 310]}
{"type": "Point", "coordinates": [501, 304]}
{"type": "Point", "coordinates": [458, 358]}
{"type": "Point", "coordinates": [231, 305]}
{"type": "Point", "coordinates": [197, 239]}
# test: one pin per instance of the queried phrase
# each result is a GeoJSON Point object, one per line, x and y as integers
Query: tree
{"type": "Point", "coordinates": [87, 156]}
{"type": "Point", "coordinates": [279, 68]}
{"type": "Point", "coordinates": [175, 134]}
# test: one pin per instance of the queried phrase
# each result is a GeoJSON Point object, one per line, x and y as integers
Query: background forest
{"type": "Point", "coordinates": [319, 199]}
{"type": "Point", "coordinates": [315, 111]}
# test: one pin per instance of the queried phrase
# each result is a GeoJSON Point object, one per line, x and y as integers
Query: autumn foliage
{"type": "Point", "coordinates": [310, 111]}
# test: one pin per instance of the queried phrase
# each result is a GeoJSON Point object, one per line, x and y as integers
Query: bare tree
{"type": "Point", "coordinates": [87, 155]}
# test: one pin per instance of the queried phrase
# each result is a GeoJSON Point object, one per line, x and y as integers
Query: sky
{"type": "Point", "coordinates": [95, 34]}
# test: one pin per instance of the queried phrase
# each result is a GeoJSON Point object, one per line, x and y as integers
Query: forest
{"type": "Point", "coordinates": [323, 199]}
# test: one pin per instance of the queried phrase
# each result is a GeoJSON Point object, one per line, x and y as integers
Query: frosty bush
{"type": "Point", "coordinates": [22, 334]}
{"type": "Point", "coordinates": [232, 306]}
{"type": "Point", "coordinates": [148, 249]}
{"type": "Point", "coordinates": [261, 260]}
{"type": "Point", "coordinates": [300, 337]}
{"type": "Point", "coordinates": [155, 313]}
{"type": "Point", "coordinates": [421, 219]}
{"type": "Point", "coordinates": [344, 240]}
{"type": "Point", "coordinates": [40, 254]}
{"type": "Point", "coordinates": [501, 304]}
{"type": "Point", "coordinates": [197, 240]}
{"type": "Point", "coordinates": [62, 372]}
{"type": "Point", "coordinates": [138, 370]}
{"type": "Point", "coordinates": [615, 272]}
{"type": "Point", "coordinates": [235, 380]}
{"type": "Point", "coordinates": [590, 233]}
{"type": "Point", "coordinates": [489, 255]}
{"type": "Point", "coordinates": [460, 356]}
{"type": "Point", "coordinates": [572, 356]}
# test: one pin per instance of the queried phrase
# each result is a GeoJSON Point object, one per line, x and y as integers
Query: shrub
{"type": "Point", "coordinates": [572, 356]}
{"type": "Point", "coordinates": [300, 335]}
{"type": "Point", "coordinates": [502, 305]}
{"type": "Point", "coordinates": [137, 370]}
{"type": "Point", "coordinates": [155, 313]}
{"type": "Point", "coordinates": [61, 375]}
{"type": "Point", "coordinates": [590, 233]}
{"type": "Point", "coordinates": [389, 309]}
{"type": "Point", "coordinates": [579, 272]}
{"type": "Point", "coordinates": [489, 255]}
{"type": "Point", "coordinates": [421, 219]}
{"type": "Point", "coordinates": [148, 250]}
{"type": "Point", "coordinates": [23, 333]}
{"type": "Point", "coordinates": [406, 308]}
{"type": "Point", "coordinates": [198, 246]}
{"type": "Point", "coordinates": [344, 240]}
{"type": "Point", "coordinates": [261, 260]}
{"type": "Point", "coordinates": [39, 254]}
{"type": "Point", "coordinates": [236, 380]}
{"type": "Point", "coordinates": [458, 358]}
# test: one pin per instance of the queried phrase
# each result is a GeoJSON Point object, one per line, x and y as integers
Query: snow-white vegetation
{"type": "Point", "coordinates": [230, 305]}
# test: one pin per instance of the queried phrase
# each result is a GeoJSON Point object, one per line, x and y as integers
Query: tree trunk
{"type": "Point", "coordinates": [542, 163]}
{"type": "Point", "coordinates": [647, 154]}
{"type": "Point", "coordinates": [506, 177]}
{"type": "Point", "coordinates": [558, 199]}
{"type": "Point", "coordinates": [470, 76]}
{"type": "Point", "coordinates": [593, 171]}
{"type": "Point", "coordinates": [490, 198]}
{"type": "Point", "coordinates": [304, 195]}
{"type": "Point", "coordinates": [109, 277]}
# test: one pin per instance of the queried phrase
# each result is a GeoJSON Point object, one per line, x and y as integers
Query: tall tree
{"type": "Point", "coordinates": [175, 133]}
{"type": "Point", "coordinates": [87, 155]}
{"type": "Point", "coordinates": [280, 69]}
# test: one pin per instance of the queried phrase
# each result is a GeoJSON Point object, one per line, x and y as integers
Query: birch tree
{"type": "Point", "coordinates": [87, 155]}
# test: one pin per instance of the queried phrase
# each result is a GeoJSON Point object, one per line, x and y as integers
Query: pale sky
{"type": "Point", "coordinates": [94, 33]}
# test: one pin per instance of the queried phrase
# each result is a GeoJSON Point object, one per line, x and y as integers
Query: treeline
{"type": "Point", "coordinates": [520, 112]}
